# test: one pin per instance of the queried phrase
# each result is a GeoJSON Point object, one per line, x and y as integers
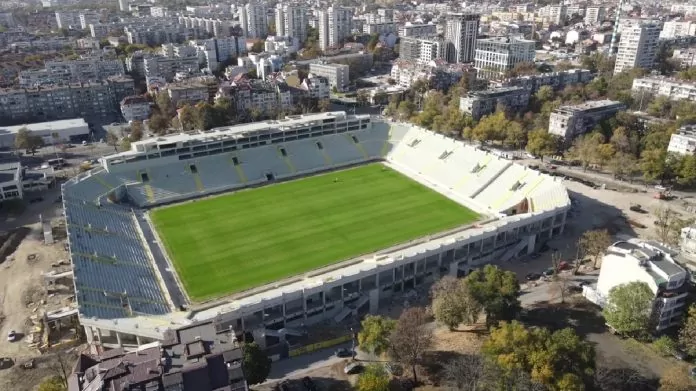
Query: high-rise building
{"type": "Point", "coordinates": [460, 37]}
{"type": "Point", "coordinates": [123, 5]}
{"type": "Point", "coordinates": [557, 13]}
{"type": "Point", "coordinates": [638, 46]}
{"type": "Point", "coordinates": [335, 24]}
{"type": "Point", "coordinates": [595, 15]}
{"type": "Point", "coordinates": [256, 17]}
{"type": "Point", "coordinates": [291, 21]}
{"type": "Point", "coordinates": [67, 20]}
{"type": "Point", "coordinates": [497, 55]}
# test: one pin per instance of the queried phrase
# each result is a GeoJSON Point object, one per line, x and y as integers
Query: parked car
{"type": "Point", "coordinates": [11, 336]}
{"type": "Point", "coordinates": [532, 276]}
{"type": "Point", "coordinates": [343, 352]}
{"type": "Point", "coordinates": [563, 265]}
{"type": "Point", "coordinates": [549, 272]}
{"type": "Point", "coordinates": [352, 368]}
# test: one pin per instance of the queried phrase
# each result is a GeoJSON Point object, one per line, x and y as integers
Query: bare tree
{"type": "Point", "coordinates": [411, 338]}
{"type": "Point", "coordinates": [467, 372]}
{"type": "Point", "coordinates": [594, 243]}
{"type": "Point", "coordinates": [622, 379]}
{"type": "Point", "coordinates": [559, 283]}
{"type": "Point", "coordinates": [669, 225]}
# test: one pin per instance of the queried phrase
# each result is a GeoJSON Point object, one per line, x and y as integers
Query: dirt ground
{"type": "Point", "coordinates": [23, 295]}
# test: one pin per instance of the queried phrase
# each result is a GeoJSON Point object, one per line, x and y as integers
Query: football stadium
{"type": "Point", "coordinates": [270, 226]}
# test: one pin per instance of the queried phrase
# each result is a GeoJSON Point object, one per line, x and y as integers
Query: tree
{"type": "Point", "coordinates": [687, 334]}
{"type": "Point", "coordinates": [466, 372]}
{"type": "Point", "coordinates": [497, 291]}
{"type": "Point", "coordinates": [136, 131]}
{"type": "Point", "coordinates": [544, 94]}
{"type": "Point", "coordinates": [372, 43]}
{"type": "Point", "coordinates": [27, 141]}
{"type": "Point", "coordinates": [255, 363]}
{"type": "Point", "coordinates": [158, 123]}
{"type": "Point", "coordinates": [676, 378]}
{"type": "Point", "coordinates": [257, 47]}
{"type": "Point", "coordinates": [375, 333]}
{"type": "Point", "coordinates": [629, 308]}
{"type": "Point", "coordinates": [669, 225]}
{"type": "Point", "coordinates": [453, 303]}
{"type": "Point", "coordinates": [585, 150]}
{"type": "Point", "coordinates": [324, 105]}
{"type": "Point", "coordinates": [653, 163]}
{"type": "Point", "coordinates": [374, 378]}
{"type": "Point", "coordinates": [411, 338]}
{"type": "Point", "coordinates": [53, 383]}
{"type": "Point", "coordinates": [112, 139]}
{"type": "Point", "coordinates": [593, 243]}
{"type": "Point", "coordinates": [523, 69]}
{"type": "Point", "coordinates": [559, 283]}
{"type": "Point", "coordinates": [187, 117]}
{"type": "Point", "coordinates": [124, 144]}
{"type": "Point", "coordinates": [165, 105]}
{"type": "Point", "coordinates": [540, 143]}
{"type": "Point", "coordinates": [362, 98]}
{"type": "Point", "coordinates": [491, 127]}
{"type": "Point", "coordinates": [621, 379]}
{"type": "Point", "coordinates": [560, 360]}
{"type": "Point", "coordinates": [204, 116]}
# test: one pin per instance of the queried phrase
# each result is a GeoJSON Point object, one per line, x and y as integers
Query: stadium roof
{"type": "Point", "coordinates": [43, 126]}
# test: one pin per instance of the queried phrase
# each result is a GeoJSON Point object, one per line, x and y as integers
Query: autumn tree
{"type": "Point", "coordinates": [541, 143]}
{"type": "Point", "coordinates": [466, 372]}
{"type": "Point", "coordinates": [497, 291]}
{"type": "Point", "coordinates": [373, 378]}
{"type": "Point", "coordinates": [53, 383]}
{"type": "Point", "coordinates": [593, 243]}
{"type": "Point", "coordinates": [676, 378]}
{"type": "Point", "coordinates": [27, 141]}
{"type": "Point", "coordinates": [324, 105]}
{"type": "Point", "coordinates": [187, 117]}
{"type": "Point", "coordinates": [112, 139]}
{"type": "Point", "coordinates": [136, 131]}
{"type": "Point", "coordinates": [669, 225]}
{"type": "Point", "coordinates": [411, 338]}
{"type": "Point", "coordinates": [585, 149]}
{"type": "Point", "coordinates": [453, 303]}
{"type": "Point", "coordinates": [204, 116]}
{"type": "Point", "coordinates": [560, 360]}
{"type": "Point", "coordinates": [375, 333]}
{"type": "Point", "coordinates": [629, 308]}
{"type": "Point", "coordinates": [559, 282]}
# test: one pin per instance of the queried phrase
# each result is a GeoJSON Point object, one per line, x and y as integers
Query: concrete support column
{"type": "Point", "coordinates": [284, 304]}
{"type": "Point", "coordinates": [453, 269]}
{"type": "Point", "coordinates": [99, 334]}
{"type": "Point", "coordinates": [531, 243]}
{"type": "Point", "coordinates": [89, 334]}
{"type": "Point", "coordinates": [304, 306]}
{"type": "Point", "coordinates": [323, 302]}
{"type": "Point", "coordinates": [138, 341]}
{"type": "Point", "coordinates": [439, 258]}
{"type": "Point", "coordinates": [118, 339]}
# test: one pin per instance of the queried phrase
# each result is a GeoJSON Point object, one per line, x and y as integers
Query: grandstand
{"type": "Point", "coordinates": [128, 292]}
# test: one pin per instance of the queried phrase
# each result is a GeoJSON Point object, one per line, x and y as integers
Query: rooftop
{"type": "Point", "coordinates": [43, 126]}
{"type": "Point", "coordinates": [658, 258]}
{"type": "Point", "coordinates": [590, 106]}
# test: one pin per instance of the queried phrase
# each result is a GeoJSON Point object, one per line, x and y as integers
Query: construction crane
{"type": "Point", "coordinates": [617, 19]}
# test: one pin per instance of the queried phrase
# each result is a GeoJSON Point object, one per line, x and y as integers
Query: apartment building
{"type": "Point", "coordinates": [556, 80]}
{"type": "Point", "coordinates": [254, 20]}
{"type": "Point", "coordinates": [291, 21]}
{"type": "Point", "coordinates": [678, 28]}
{"type": "Point", "coordinates": [72, 71]}
{"type": "Point", "coordinates": [87, 18]}
{"type": "Point", "coordinates": [460, 37]}
{"type": "Point", "coordinates": [316, 87]}
{"type": "Point", "coordinates": [68, 20]}
{"type": "Point", "coordinates": [155, 34]}
{"type": "Point", "coordinates": [264, 96]}
{"type": "Point", "coordinates": [652, 263]}
{"type": "Point", "coordinates": [421, 50]}
{"type": "Point", "coordinates": [672, 88]}
{"type": "Point", "coordinates": [638, 46]}
{"type": "Point", "coordinates": [380, 28]}
{"type": "Point", "coordinates": [212, 26]}
{"type": "Point", "coordinates": [94, 101]}
{"type": "Point", "coordinates": [482, 103]}
{"type": "Point", "coordinates": [557, 14]}
{"type": "Point", "coordinates": [338, 75]}
{"type": "Point", "coordinates": [438, 74]}
{"type": "Point", "coordinates": [335, 25]}
{"type": "Point", "coordinates": [497, 55]}
{"type": "Point", "coordinates": [572, 121]}
{"type": "Point", "coordinates": [167, 67]}
{"type": "Point", "coordinates": [135, 108]}
{"type": "Point", "coordinates": [595, 15]}
{"type": "Point", "coordinates": [686, 57]}
{"type": "Point", "coordinates": [683, 142]}
{"type": "Point", "coordinates": [187, 92]}
{"type": "Point", "coordinates": [98, 30]}
{"type": "Point", "coordinates": [417, 30]}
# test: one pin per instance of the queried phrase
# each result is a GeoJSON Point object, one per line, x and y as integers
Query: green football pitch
{"type": "Point", "coordinates": [230, 243]}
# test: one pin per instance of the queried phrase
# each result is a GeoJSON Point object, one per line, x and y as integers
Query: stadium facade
{"type": "Point", "coordinates": [128, 293]}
